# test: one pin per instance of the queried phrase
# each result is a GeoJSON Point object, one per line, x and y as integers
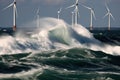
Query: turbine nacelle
{"type": "Point", "coordinates": [59, 11]}
{"type": "Point", "coordinates": [14, 1]}
{"type": "Point", "coordinates": [76, 2]}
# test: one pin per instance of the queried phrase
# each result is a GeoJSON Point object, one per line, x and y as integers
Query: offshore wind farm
{"type": "Point", "coordinates": [50, 48]}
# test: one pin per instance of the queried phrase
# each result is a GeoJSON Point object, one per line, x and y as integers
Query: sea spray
{"type": "Point", "coordinates": [54, 34]}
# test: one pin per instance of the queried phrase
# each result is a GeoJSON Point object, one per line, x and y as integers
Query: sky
{"type": "Point", "coordinates": [48, 8]}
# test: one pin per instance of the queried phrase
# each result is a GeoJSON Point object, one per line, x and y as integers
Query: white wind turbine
{"type": "Point", "coordinates": [38, 25]}
{"type": "Point", "coordinates": [76, 11]}
{"type": "Point", "coordinates": [14, 13]}
{"type": "Point", "coordinates": [59, 11]}
{"type": "Point", "coordinates": [109, 14]}
{"type": "Point", "coordinates": [92, 14]}
{"type": "Point", "coordinates": [38, 17]}
{"type": "Point", "coordinates": [72, 18]}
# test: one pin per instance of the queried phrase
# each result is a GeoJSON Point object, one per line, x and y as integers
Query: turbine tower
{"type": "Point", "coordinates": [14, 13]}
{"type": "Point", "coordinates": [76, 11]}
{"type": "Point", "coordinates": [109, 14]}
{"type": "Point", "coordinates": [72, 18]}
{"type": "Point", "coordinates": [38, 17]}
{"type": "Point", "coordinates": [59, 11]}
{"type": "Point", "coordinates": [92, 14]}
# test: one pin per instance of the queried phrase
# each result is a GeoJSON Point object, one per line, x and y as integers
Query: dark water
{"type": "Point", "coordinates": [72, 64]}
{"type": "Point", "coordinates": [110, 37]}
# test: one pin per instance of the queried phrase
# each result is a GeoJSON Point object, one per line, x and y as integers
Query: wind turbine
{"type": "Point", "coordinates": [92, 14]}
{"type": "Point", "coordinates": [14, 13]}
{"type": "Point", "coordinates": [38, 17]}
{"type": "Point", "coordinates": [109, 14]}
{"type": "Point", "coordinates": [72, 18]}
{"type": "Point", "coordinates": [59, 11]}
{"type": "Point", "coordinates": [76, 11]}
{"type": "Point", "coordinates": [38, 24]}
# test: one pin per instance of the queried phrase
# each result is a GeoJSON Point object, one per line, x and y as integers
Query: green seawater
{"type": "Point", "coordinates": [72, 64]}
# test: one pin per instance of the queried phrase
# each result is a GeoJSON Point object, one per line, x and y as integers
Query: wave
{"type": "Point", "coordinates": [54, 34]}
{"type": "Point", "coordinates": [75, 63]}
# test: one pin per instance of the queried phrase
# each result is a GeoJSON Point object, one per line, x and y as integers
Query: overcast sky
{"type": "Point", "coordinates": [48, 8]}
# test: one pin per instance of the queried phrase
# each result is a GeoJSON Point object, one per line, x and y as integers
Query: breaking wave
{"type": "Point", "coordinates": [57, 51]}
{"type": "Point", "coordinates": [54, 34]}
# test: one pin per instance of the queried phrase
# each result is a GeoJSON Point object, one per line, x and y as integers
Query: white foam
{"type": "Point", "coordinates": [23, 74]}
{"type": "Point", "coordinates": [54, 34]}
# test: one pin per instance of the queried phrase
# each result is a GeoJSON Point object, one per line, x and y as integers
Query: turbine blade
{"type": "Point", "coordinates": [70, 6]}
{"type": "Point", "coordinates": [85, 6]}
{"type": "Point", "coordinates": [75, 10]}
{"type": "Point", "coordinates": [93, 14]}
{"type": "Point", "coordinates": [9, 6]}
{"type": "Point", "coordinates": [60, 9]}
{"type": "Point", "coordinates": [112, 16]}
{"type": "Point", "coordinates": [107, 8]}
{"type": "Point", "coordinates": [38, 10]}
{"type": "Point", "coordinates": [105, 15]}
{"type": "Point", "coordinates": [77, 1]}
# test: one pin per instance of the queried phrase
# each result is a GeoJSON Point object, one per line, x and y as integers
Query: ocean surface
{"type": "Point", "coordinates": [58, 51]}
